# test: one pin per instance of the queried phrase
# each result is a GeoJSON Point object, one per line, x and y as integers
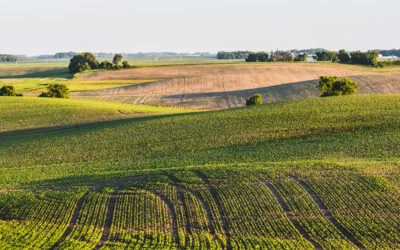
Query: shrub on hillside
{"type": "Point", "coordinates": [8, 91]}
{"type": "Point", "coordinates": [56, 90]}
{"type": "Point", "coordinates": [334, 86]}
{"type": "Point", "coordinates": [83, 61]}
{"type": "Point", "coordinates": [254, 100]}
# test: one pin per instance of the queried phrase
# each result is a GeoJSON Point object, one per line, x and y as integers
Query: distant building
{"type": "Point", "coordinates": [388, 57]}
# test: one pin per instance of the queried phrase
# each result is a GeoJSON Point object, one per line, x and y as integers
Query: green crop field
{"type": "Point", "coordinates": [312, 173]}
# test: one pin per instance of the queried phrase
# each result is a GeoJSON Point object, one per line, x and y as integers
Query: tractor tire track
{"type": "Point", "coordinates": [72, 222]}
{"type": "Point", "coordinates": [203, 204]}
{"type": "Point", "coordinates": [214, 194]}
{"type": "Point", "coordinates": [171, 209]}
{"type": "Point", "coordinates": [108, 221]}
{"type": "Point", "coordinates": [328, 215]}
{"type": "Point", "coordinates": [289, 215]}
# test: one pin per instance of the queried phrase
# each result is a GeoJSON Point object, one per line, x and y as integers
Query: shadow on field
{"type": "Point", "coordinates": [36, 133]}
{"type": "Point", "coordinates": [280, 92]}
{"type": "Point", "coordinates": [39, 73]}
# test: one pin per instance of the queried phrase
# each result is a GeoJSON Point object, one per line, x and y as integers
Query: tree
{"type": "Point", "coordinates": [222, 55]}
{"type": "Point", "coordinates": [8, 90]}
{"type": "Point", "coordinates": [105, 65]}
{"type": "Point", "coordinates": [343, 56]}
{"type": "Point", "coordinates": [56, 90]}
{"type": "Point", "coordinates": [301, 57]}
{"type": "Point", "coordinates": [254, 100]}
{"type": "Point", "coordinates": [326, 56]}
{"type": "Point", "coordinates": [334, 86]}
{"type": "Point", "coordinates": [252, 57]}
{"type": "Point", "coordinates": [365, 58]}
{"type": "Point", "coordinates": [117, 59]}
{"type": "Point", "coordinates": [262, 56]}
{"type": "Point", "coordinates": [64, 55]}
{"type": "Point", "coordinates": [126, 65]}
{"type": "Point", "coordinates": [9, 58]}
{"type": "Point", "coordinates": [280, 56]}
{"type": "Point", "coordinates": [83, 61]}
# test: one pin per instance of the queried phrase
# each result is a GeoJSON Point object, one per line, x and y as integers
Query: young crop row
{"type": "Point", "coordinates": [366, 212]}
{"type": "Point", "coordinates": [310, 217]}
{"type": "Point", "coordinates": [141, 219]}
{"type": "Point", "coordinates": [165, 217]}
{"type": "Point", "coordinates": [35, 223]}
{"type": "Point", "coordinates": [89, 226]}
{"type": "Point", "coordinates": [252, 217]}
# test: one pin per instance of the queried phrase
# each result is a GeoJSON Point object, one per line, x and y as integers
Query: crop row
{"type": "Point", "coordinates": [310, 216]}
{"type": "Point", "coordinates": [35, 223]}
{"type": "Point", "coordinates": [140, 219]}
{"type": "Point", "coordinates": [166, 217]}
{"type": "Point", "coordinates": [89, 226]}
{"type": "Point", "coordinates": [366, 212]}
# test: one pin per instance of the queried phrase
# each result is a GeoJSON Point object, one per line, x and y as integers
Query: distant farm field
{"type": "Point", "coordinates": [228, 86]}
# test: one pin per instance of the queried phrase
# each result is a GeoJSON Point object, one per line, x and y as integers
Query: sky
{"type": "Point", "coordinates": [49, 26]}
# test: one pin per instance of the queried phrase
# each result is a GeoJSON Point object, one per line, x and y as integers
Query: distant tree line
{"type": "Point", "coordinates": [65, 55]}
{"type": "Point", "coordinates": [355, 57]}
{"type": "Point", "coordinates": [275, 56]}
{"type": "Point", "coordinates": [88, 61]}
{"type": "Point", "coordinates": [9, 58]}
{"type": "Point", "coordinates": [390, 52]}
{"type": "Point", "coordinates": [232, 55]}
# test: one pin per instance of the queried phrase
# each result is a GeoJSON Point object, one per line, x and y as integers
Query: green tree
{"type": "Point", "coordinates": [334, 86]}
{"type": "Point", "coordinates": [254, 100]}
{"type": "Point", "coordinates": [326, 56]}
{"type": "Point", "coordinates": [117, 59]}
{"type": "Point", "coordinates": [126, 65]}
{"type": "Point", "coordinates": [301, 57]}
{"type": "Point", "coordinates": [343, 56]}
{"type": "Point", "coordinates": [8, 90]}
{"type": "Point", "coordinates": [365, 58]}
{"type": "Point", "coordinates": [83, 61]}
{"type": "Point", "coordinates": [262, 56]}
{"type": "Point", "coordinates": [56, 90]}
{"type": "Point", "coordinates": [252, 57]}
{"type": "Point", "coordinates": [222, 55]}
{"type": "Point", "coordinates": [105, 65]}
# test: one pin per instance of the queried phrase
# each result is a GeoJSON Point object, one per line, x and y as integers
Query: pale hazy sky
{"type": "Point", "coordinates": [47, 26]}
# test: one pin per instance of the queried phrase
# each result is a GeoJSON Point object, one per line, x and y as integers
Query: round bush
{"type": "Point", "coordinates": [56, 90]}
{"type": "Point", "coordinates": [254, 100]}
{"type": "Point", "coordinates": [8, 91]}
{"type": "Point", "coordinates": [334, 86]}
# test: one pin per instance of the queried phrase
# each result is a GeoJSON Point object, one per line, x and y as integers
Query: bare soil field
{"type": "Point", "coordinates": [228, 86]}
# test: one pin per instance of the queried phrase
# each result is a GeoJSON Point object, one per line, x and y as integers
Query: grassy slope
{"type": "Point", "coordinates": [331, 129]}
{"type": "Point", "coordinates": [319, 172]}
{"type": "Point", "coordinates": [34, 113]}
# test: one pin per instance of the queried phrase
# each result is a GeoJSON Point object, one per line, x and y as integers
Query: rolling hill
{"type": "Point", "coordinates": [229, 85]}
{"type": "Point", "coordinates": [311, 173]}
